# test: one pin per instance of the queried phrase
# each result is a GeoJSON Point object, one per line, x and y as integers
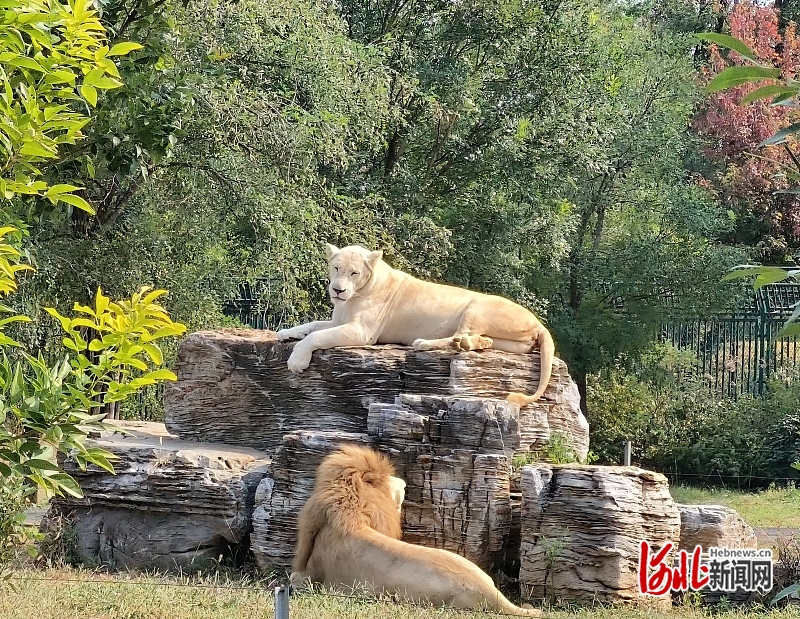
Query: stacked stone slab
{"type": "Point", "coordinates": [454, 454]}
{"type": "Point", "coordinates": [280, 496]}
{"type": "Point", "coordinates": [581, 529]}
{"type": "Point", "coordinates": [171, 505]}
{"type": "Point", "coordinates": [234, 388]}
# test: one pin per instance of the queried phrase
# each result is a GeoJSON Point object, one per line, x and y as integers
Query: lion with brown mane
{"type": "Point", "coordinates": [349, 537]}
{"type": "Point", "coordinates": [376, 304]}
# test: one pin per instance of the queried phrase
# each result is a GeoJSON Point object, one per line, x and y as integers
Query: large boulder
{"type": "Point", "coordinates": [171, 505]}
{"type": "Point", "coordinates": [581, 527]}
{"type": "Point", "coordinates": [714, 525]}
{"type": "Point", "coordinates": [455, 454]}
{"type": "Point", "coordinates": [710, 526]}
{"type": "Point", "coordinates": [233, 387]}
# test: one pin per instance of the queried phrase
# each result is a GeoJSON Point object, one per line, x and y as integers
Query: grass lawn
{"type": "Point", "coordinates": [77, 594]}
{"type": "Point", "coordinates": [778, 507]}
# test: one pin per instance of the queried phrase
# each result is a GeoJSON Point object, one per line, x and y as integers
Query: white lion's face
{"type": "Point", "coordinates": [349, 269]}
{"type": "Point", "coordinates": [398, 491]}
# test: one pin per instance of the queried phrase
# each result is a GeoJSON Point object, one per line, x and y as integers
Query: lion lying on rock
{"type": "Point", "coordinates": [348, 536]}
{"type": "Point", "coordinates": [376, 304]}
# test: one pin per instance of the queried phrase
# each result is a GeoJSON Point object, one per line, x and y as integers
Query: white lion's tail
{"type": "Point", "coordinates": [503, 605]}
{"type": "Point", "coordinates": [547, 352]}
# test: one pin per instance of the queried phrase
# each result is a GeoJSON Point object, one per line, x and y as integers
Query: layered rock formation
{"type": "Point", "coordinates": [234, 388]}
{"type": "Point", "coordinates": [714, 525]}
{"type": "Point", "coordinates": [280, 496]}
{"type": "Point", "coordinates": [454, 454]}
{"type": "Point", "coordinates": [581, 529]}
{"type": "Point", "coordinates": [571, 532]}
{"type": "Point", "coordinates": [171, 504]}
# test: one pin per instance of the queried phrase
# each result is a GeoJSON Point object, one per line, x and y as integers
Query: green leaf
{"type": "Point", "coordinates": [42, 465]}
{"type": "Point", "coordinates": [76, 201]}
{"type": "Point", "coordinates": [101, 458]}
{"type": "Point", "coordinates": [65, 483]}
{"type": "Point", "coordinates": [162, 374]}
{"type": "Point", "coordinates": [791, 590]}
{"type": "Point", "coordinates": [11, 319]}
{"type": "Point", "coordinates": [736, 76]}
{"type": "Point", "coordinates": [59, 77]}
{"type": "Point", "coordinates": [770, 275]}
{"type": "Point", "coordinates": [136, 363]}
{"type": "Point", "coordinates": [82, 322]}
{"type": "Point", "coordinates": [121, 49]}
{"type": "Point", "coordinates": [65, 322]}
{"type": "Point", "coordinates": [769, 91]}
{"type": "Point", "coordinates": [743, 270]}
{"type": "Point", "coordinates": [34, 149]}
{"type": "Point", "coordinates": [53, 435]}
{"type": "Point", "coordinates": [89, 93]}
{"type": "Point", "coordinates": [729, 42]}
{"type": "Point", "coordinates": [27, 63]}
{"type": "Point", "coordinates": [93, 77]}
{"type": "Point", "coordinates": [107, 83]}
{"type": "Point", "coordinates": [154, 352]}
{"type": "Point", "coordinates": [61, 188]}
{"type": "Point", "coordinates": [70, 343]}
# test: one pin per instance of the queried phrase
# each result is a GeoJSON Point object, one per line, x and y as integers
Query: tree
{"type": "Point", "coordinates": [54, 58]}
{"type": "Point", "coordinates": [54, 54]}
{"type": "Point", "coordinates": [751, 175]}
{"type": "Point", "coordinates": [645, 242]}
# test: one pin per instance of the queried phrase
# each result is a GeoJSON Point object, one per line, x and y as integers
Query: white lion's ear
{"type": "Point", "coordinates": [330, 250]}
{"type": "Point", "coordinates": [374, 256]}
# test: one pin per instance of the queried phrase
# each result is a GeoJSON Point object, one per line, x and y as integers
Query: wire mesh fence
{"type": "Point", "coordinates": [736, 354]}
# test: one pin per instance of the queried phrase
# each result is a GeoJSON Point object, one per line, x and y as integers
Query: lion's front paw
{"type": "Point", "coordinates": [419, 344]}
{"type": "Point", "coordinates": [289, 334]}
{"type": "Point", "coordinates": [299, 360]}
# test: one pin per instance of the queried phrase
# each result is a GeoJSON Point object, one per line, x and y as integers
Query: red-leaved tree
{"type": "Point", "coordinates": [746, 176]}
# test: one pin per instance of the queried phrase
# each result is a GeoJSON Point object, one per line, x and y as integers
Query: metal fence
{"type": "Point", "coordinates": [737, 353]}
{"type": "Point", "coordinates": [248, 306]}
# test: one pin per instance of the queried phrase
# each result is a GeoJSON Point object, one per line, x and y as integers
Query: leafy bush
{"type": "Point", "coordinates": [53, 54]}
{"type": "Point", "coordinates": [47, 410]}
{"type": "Point", "coordinates": [54, 59]}
{"type": "Point", "coordinates": [557, 449]}
{"type": "Point", "coordinates": [677, 426]}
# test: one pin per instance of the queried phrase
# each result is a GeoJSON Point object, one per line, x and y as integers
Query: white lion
{"type": "Point", "coordinates": [348, 535]}
{"type": "Point", "coordinates": [376, 304]}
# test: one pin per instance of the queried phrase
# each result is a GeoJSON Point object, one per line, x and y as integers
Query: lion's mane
{"type": "Point", "coordinates": [353, 489]}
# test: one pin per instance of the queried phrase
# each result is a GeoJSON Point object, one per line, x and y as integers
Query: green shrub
{"type": "Point", "coordinates": [111, 352]}
{"type": "Point", "coordinates": [678, 426]}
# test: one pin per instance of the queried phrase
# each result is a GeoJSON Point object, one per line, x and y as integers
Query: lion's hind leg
{"type": "Point", "coordinates": [457, 343]}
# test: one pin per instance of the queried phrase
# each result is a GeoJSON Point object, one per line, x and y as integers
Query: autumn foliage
{"type": "Point", "coordinates": [747, 175]}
